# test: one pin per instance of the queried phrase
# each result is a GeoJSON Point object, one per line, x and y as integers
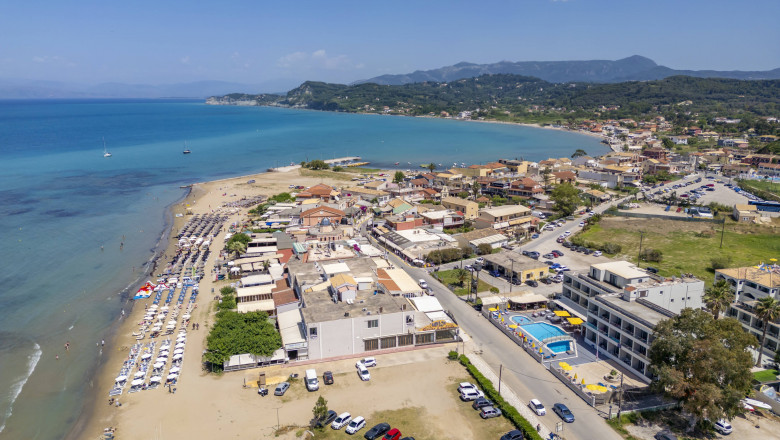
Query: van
{"type": "Point", "coordinates": [312, 383]}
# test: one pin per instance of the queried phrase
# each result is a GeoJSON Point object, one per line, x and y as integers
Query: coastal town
{"type": "Point", "coordinates": [419, 292]}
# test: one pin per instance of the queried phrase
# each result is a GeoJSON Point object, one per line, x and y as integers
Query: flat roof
{"type": "Point", "coordinates": [427, 304]}
{"type": "Point", "coordinates": [254, 290]}
{"type": "Point", "coordinates": [265, 305]}
{"type": "Point", "coordinates": [506, 210]}
{"type": "Point", "coordinates": [251, 280]}
{"type": "Point", "coordinates": [633, 309]}
{"type": "Point", "coordinates": [401, 279]}
{"type": "Point", "coordinates": [335, 268]}
{"type": "Point", "coordinates": [622, 269]}
{"type": "Point", "coordinates": [528, 298]}
{"type": "Point", "coordinates": [767, 277]}
{"type": "Point", "coordinates": [521, 262]}
{"type": "Point", "coordinates": [291, 326]}
{"type": "Point", "coordinates": [321, 308]}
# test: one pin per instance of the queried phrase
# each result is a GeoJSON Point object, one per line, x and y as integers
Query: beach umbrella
{"type": "Point", "coordinates": [562, 313]}
{"type": "Point", "coordinates": [187, 316]}
{"type": "Point", "coordinates": [172, 376]}
{"type": "Point", "coordinates": [180, 345]}
{"type": "Point", "coordinates": [153, 307]}
{"type": "Point", "coordinates": [164, 308]}
{"type": "Point", "coordinates": [540, 350]}
{"type": "Point", "coordinates": [171, 322]}
{"type": "Point", "coordinates": [158, 365]}
{"type": "Point", "coordinates": [121, 378]}
{"type": "Point", "coordinates": [583, 381]}
{"type": "Point", "coordinates": [171, 326]}
{"type": "Point", "coordinates": [181, 339]}
{"type": "Point", "coordinates": [155, 379]}
{"type": "Point", "coordinates": [512, 325]}
{"type": "Point", "coordinates": [137, 382]}
{"type": "Point", "coordinates": [146, 356]}
{"type": "Point", "coordinates": [565, 366]}
{"type": "Point", "coordinates": [176, 357]}
{"type": "Point", "coordinates": [140, 374]}
{"type": "Point", "coordinates": [178, 351]}
{"type": "Point", "coordinates": [175, 369]}
{"type": "Point", "coordinates": [162, 359]}
{"type": "Point", "coordinates": [533, 344]}
{"type": "Point", "coordinates": [575, 376]}
{"type": "Point", "coordinates": [595, 387]}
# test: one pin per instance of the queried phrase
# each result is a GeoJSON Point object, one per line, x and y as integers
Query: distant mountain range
{"type": "Point", "coordinates": [634, 68]}
{"type": "Point", "coordinates": [28, 89]}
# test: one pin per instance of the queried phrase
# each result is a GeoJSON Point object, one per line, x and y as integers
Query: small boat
{"type": "Point", "coordinates": [105, 151]}
{"type": "Point", "coordinates": [186, 150]}
{"type": "Point", "coordinates": [397, 163]}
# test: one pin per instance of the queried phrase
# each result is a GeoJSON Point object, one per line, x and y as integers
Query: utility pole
{"type": "Point", "coordinates": [722, 231]}
{"type": "Point", "coordinates": [511, 281]}
{"type": "Point", "coordinates": [620, 398]}
{"type": "Point", "coordinates": [639, 257]}
{"type": "Point", "coordinates": [500, 370]}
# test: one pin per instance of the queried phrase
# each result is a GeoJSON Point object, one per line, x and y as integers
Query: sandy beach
{"type": "Point", "coordinates": [195, 384]}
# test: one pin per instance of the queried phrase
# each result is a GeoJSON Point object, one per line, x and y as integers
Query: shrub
{"type": "Point", "coordinates": [484, 249]}
{"type": "Point", "coordinates": [338, 168]}
{"type": "Point", "coordinates": [611, 248]}
{"type": "Point", "coordinates": [653, 255]}
{"type": "Point", "coordinates": [720, 262]}
{"type": "Point", "coordinates": [494, 290]}
{"type": "Point", "coordinates": [507, 410]}
{"type": "Point", "coordinates": [452, 355]}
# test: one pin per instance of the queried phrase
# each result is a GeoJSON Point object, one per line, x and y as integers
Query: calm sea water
{"type": "Point", "coordinates": [61, 201]}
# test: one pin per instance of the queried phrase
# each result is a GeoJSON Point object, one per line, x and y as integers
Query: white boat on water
{"type": "Point", "coordinates": [105, 151]}
{"type": "Point", "coordinates": [186, 150]}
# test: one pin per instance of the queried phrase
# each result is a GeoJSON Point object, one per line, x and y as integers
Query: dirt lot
{"type": "Point", "coordinates": [759, 426]}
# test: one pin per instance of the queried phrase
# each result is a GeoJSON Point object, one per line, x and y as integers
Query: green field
{"type": "Point", "coordinates": [688, 247]}
{"type": "Point", "coordinates": [762, 188]}
{"type": "Point", "coordinates": [450, 279]}
{"type": "Point", "coordinates": [766, 375]}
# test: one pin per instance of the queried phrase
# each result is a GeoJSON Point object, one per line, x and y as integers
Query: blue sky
{"type": "Point", "coordinates": [286, 42]}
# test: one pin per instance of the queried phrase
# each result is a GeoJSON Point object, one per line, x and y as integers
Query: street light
{"type": "Point", "coordinates": [477, 268]}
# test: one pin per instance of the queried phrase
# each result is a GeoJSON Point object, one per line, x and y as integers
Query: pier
{"type": "Point", "coordinates": [343, 161]}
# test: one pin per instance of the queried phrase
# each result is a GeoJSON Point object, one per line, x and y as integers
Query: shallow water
{"type": "Point", "coordinates": [76, 228]}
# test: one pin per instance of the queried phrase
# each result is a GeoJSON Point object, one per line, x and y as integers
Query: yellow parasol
{"type": "Point", "coordinates": [565, 366]}
{"type": "Point", "coordinates": [574, 321]}
{"type": "Point", "coordinates": [540, 349]}
{"type": "Point", "coordinates": [513, 326]}
{"type": "Point", "coordinates": [583, 381]}
{"type": "Point", "coordinates": [596, 387]}
{"type": "Point", "coordinates": [533, 344]}
{"type": "Point", "coordinates": [575, 376]}
{"type": "Point", "coordinates": [493, 309]}
{"type": "Point", "coordinates": [562, 313]}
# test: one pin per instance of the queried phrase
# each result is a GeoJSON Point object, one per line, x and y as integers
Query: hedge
{"type": "Point", "coordinates": [507, 410]}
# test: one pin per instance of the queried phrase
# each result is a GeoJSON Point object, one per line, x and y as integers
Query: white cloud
{"type": "Point", "coordinates": [185, 60]}
{"type": "Point", "coordinates": [319, 59]}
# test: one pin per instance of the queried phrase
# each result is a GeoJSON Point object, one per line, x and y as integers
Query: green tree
{"type": "Point", "coordinates": [320, 410]}
{"type": "Point", "coordinates": [316, 164]}
{"type": "Point", "coordinates": [237, 333]}
{"type": "Point", "coordinates": [463, 194]}
{"type": "Point", "coordinates": [718, 297]}
{"type": "Point", "coordinates": [652, 255]}
{"type": "Point", "coordinates": [463, 275]}
{"type": "Point", "coordinates": [484, 249]}
{"type": "Point", "coordinates": [398, 177]}
{"type": "Point", "coordinates": [475, 188]}
{"type": "Point", "coordinates": [767, 310]}
{"type": "Point", "coordinates": [579, 152]}
{"type": "Point", "coordinates": [237, 247]}
{"type": "Point", "coordinates": [566, 198]}
{"type": "Point", "coordinates": [431, 166]}
{"type": "Point", "coordinates": [668, 143]}
{"type": "Point", "coordinates": [703, 363]}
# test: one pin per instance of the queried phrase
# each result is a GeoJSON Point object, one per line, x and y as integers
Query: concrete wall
{"type": "Point", "coordinates": [342, 337]}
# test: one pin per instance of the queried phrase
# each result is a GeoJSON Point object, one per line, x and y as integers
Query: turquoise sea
{"type": "Point", "coordinates": [61, 201]}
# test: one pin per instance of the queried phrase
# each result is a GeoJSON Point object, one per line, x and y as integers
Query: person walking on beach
{"type": "Point", "coordinates": [67, 346]}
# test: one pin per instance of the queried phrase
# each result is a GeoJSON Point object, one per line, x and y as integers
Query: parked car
{"type": "Point", "coordinates": [363, 372]}
{"type": "Point", "coordinates": [480, 260]}
{"type": "Point", "coordinates": [281, 389]}
{"type": "Point", "coordinates": [489, 412]}
{"type": "Point", "coordinates": [665, 435]}
{"type": "Point", "coordinates": [532, 283]}
{"type": "Point", "coordinates": [513, 435]}
{"type": "Point", "coordinates": [567, 244]}
{"type": "Point", "coordinates": [377, 431]}
{"type": "Point", "coordinates": [330, 416]}
{"type": "Point", "coordinates": [408, 438]}
{"type": "Point", "coordinates": [597, 253]}
{"type": "Point", "coordinates": [469, 395]}
{"type": "Point", "coordinates": [723, 426]}
{"type": "Point", "coordinates": [560, 240]}
{"type": "Point", "coordinates": [393, 434]}
{"type": "Point", "coordinates": [537, 407]}
{"type": "Point", "coordinates": [356, 425]}
{"type": "Point", "coordinates": [587, 251]}
{"type": "Point", "coordinates": [549, 262]}
{"type": "Point", "coordinates": [556, 252]}
{"type": "Point", "coordinates": [423, 284]}
{"type": "Point", "coordinates": [481, 402]}
{"type": "Point", "coordinates": [581, 224]}
{"type": "Point", "coordinates": [567, 233]}
{"type": "Point", "coordinates": [469, 268]}
{"type": "Point", "coordinates": [545, 280]}
{"type": "Point", "coordinates": [564, 412]}
{"type": "Point", "coordinates": [533, 254]}
{"type": "Point", "coordinates": [466, 386]}
{"type": "Point", "coordinates": [369, 362]}
{"type": "Point", "coordinates": [341, 421]}
{"type": "Point", "coordinates": [535, 236]}
{"type": "Point", "coordinates": [549, 256]}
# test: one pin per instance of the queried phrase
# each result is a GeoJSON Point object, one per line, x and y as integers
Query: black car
{"type": "Point", "coordinates": [481, 402]}
{"type": "Point", "coordinates": [546, 280]}
{"type": "Point", "coordinates": [377, 431]}
{"type": "Point", "coordinates": [478, 307]}
{"type": "Point", "coordinates": [549, 262]}
{"type": "Point", "coordinates": [665, 435]}
{"type": "Point", "coordinates": [327, 420]}
{"type": "Point", "coordinates": [532, 283]}
{"type": "Point", "coordinates": [587, 251]}
{"type": "Point", "coordinates": [516, 281]}
{"type": "Point", "coordinates": [563, 411]}
{"type": "Point", "coordinates": [513, 435]}
{"type": "Point", "coordinates": [556, 251]}
{"type": "Point", "coordinates": [327, 377]}
{"type": "Point", "coordinates": [526, 253]}
{"type": "Point", "coordinates": [566, 244]}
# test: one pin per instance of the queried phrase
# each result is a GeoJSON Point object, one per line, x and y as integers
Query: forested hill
{"type": "Point", "coordinates": [516, 94]}
{"type": "Point", "coordinates": [633, 68]}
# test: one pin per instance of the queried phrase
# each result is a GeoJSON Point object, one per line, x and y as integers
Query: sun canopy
{"type": "Point", "coordinates": [598, 388]}
{"type": "Point", "coordinates": [565, 366]}
{"type": "Point", "coordinates": [562, 313]}
{"type": "Point", "coordinates": [574, 321]}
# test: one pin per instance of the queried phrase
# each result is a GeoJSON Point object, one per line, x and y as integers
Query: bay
{"type": "Point", "coordinates": [76, 228]}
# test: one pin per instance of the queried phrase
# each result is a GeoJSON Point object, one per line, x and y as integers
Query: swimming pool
{"type": "Point", "coordinates": [542, 330]}
{"type": "Point", "coordinates": [559, 346]}
{"type": "Point", "coordinates": [521, 320]}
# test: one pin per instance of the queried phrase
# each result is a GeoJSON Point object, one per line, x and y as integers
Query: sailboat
{"type": "Point", "coordinates": [105, 151]}
{"type": "Point", "coordinates": [186, 150]}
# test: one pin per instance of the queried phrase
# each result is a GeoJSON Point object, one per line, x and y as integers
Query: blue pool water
{"type": "Point", "coordinates": [520, 320]}
{"type": "Point", "coordinates": [541, 331]}
{"type": "Point", "coordinates": [558, 346]}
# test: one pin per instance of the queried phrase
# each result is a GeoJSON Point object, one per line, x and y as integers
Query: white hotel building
{"type": "Point", "coordinates": [621, 305]}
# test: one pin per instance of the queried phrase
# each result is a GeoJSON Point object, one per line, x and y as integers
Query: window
{"type": "Point", "coordinates": [371, 344]}
{"type": "Point", "coordinates": [313, 332]}
{"type": "Point", "coordinates": [642, 293]}
{"type": "Point", "coordinates": [672, 300]}
{"type": "Point", "coordinates": [373, 323]}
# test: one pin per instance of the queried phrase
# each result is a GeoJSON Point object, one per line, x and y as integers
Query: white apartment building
{"type": "Point", "coordinates": [751, 284]}
{"type": "Point", "coordinates": [621, 305]}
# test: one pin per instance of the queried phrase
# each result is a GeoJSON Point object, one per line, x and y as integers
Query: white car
{"type": "Point", "coordinates": [341, 421]}
{"type": "Point", "coordinates": [363, 372]}
{"type": "Point", "coordinates": [723, 426]}
{"type": "Point", "coordinates": [480, 260]}
{"type": "Point", "coordinates": [369, 362]}
{"type": "Point", "coordinates": [597, 254]}
{"type": "Point", "coordinates": [356, 425]}
{"type": "Point", "coordinates": [466, 386]}
{"type": "Point", "coordinates": [537, 407]}
{"type": "Point", "coordinates": [567, 233]}
{"type": "Point", "coordinates": [423, 284]}
{"type": "Point", "coordinates": [581, 224]}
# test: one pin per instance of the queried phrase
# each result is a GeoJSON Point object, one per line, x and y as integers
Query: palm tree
{"type": "Point", "coordinates": [718, 297]}
{"type": "Point", "coordinates": [462, 276]}
{"type": "Point", "coordinates": [431, 166]}
{"type": "Point", "coordinates": [767, 310]}
{"type": "Point", "coordinates": [579, 153]}
{"type": "Point", "coordinates": [238, 247]}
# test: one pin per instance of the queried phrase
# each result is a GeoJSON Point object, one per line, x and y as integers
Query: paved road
{"type": "Point", "coordinates": [521, 373]}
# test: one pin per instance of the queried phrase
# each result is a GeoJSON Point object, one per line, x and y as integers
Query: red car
{"type": "Point", "coordinates": [393, 434]}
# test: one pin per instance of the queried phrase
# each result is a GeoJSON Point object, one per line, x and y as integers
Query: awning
{"type": "Point", "coordinates": [574, 321]}
{"type": "Point", "coordinates": [528, 299]}
{"type": "Point", "coordinates": [562, 313]}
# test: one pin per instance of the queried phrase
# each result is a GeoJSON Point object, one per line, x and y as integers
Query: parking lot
{"type": "Point", "coordinates": [719, 192]}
